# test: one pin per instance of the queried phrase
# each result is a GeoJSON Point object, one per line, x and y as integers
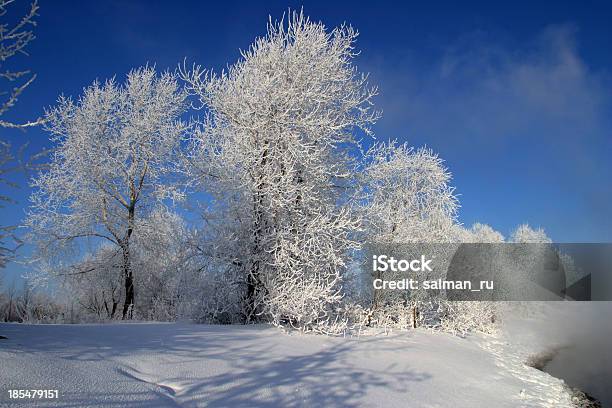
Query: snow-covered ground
{"type": "Point", "coordinates": [166, 365]}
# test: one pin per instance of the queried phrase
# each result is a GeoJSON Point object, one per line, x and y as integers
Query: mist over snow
{"type": "Point", "coordinates": [579, 335]}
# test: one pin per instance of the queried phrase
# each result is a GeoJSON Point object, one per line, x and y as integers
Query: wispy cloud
{"type": "Point", "coordinates": [492, 90]}
{"type": "Point", "coordinates": [531, 113]}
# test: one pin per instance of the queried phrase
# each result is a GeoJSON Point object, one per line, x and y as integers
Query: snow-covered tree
{"type": "Point", "coordinates": [409, 196]}
{"type": "Point", "coordinates": [524, 234]}
{"type": "Point", "coordinates": [483, 233]}
{"type": "Point", "coordinates": [573, 272]}
{"type": "Point", "coordinates": [272, 152]}
{"type": "Point", "coordinates": [112, 165]}
{"type": "Point", "coordinates": [411, 207]}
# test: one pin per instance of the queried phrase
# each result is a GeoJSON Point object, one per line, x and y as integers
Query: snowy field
{"type": "Point", "coordinates": [186, 365]}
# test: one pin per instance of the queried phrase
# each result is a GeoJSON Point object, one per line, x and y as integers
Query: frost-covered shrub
{"type": "Point", "coordinates": [395, 315]}
{"type": "Point", "coordinates": [357, 316]}
{"type": "Point", "coordinates": [462, 317]}
{"type": "Point", "coordinates": [457, 317]}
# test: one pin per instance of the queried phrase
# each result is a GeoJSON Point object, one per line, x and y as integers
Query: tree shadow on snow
{"type": "Point", "coordinates": [224, 366]}
{"type": "Point", "coordinates": [325, 378]}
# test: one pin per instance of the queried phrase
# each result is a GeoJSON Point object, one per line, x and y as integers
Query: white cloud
{"type": "Point", "coordinates": [493, 91]}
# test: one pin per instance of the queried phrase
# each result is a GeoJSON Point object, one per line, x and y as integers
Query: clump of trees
{"type": "Point", "coordinates": [29, 304]}
{"type": "Point", "coordinates": [276, 168]}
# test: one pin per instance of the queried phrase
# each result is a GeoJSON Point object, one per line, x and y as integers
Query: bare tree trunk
{"type": "Point", "coordinates": [114, 309]}
{"type": "Point", "coordinates": [377, 294]}
{"type": "Point", "coordinates": [128, 304]}
{"type": "Point", "coordinates": [253, 279]}
{"type": "Point", "coordinates": [251, 293]}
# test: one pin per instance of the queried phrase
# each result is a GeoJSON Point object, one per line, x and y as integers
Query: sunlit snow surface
{"type": "Point", "coordinates": [169, 365]}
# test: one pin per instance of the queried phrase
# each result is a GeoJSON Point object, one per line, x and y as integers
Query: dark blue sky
{"type": "Point", "coordinates": [516, 97]}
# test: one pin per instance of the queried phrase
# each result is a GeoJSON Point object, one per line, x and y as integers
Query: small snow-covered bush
{"type": "Point", "coordinates": [462, 317]}
{"type": "Point", "coordinates": [394, 316]}
{"type": "Point", "coordinates": [400, 315]}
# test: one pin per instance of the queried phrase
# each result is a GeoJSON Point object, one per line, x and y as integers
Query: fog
{"type": "Point", "coordinates": [585, 360]}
